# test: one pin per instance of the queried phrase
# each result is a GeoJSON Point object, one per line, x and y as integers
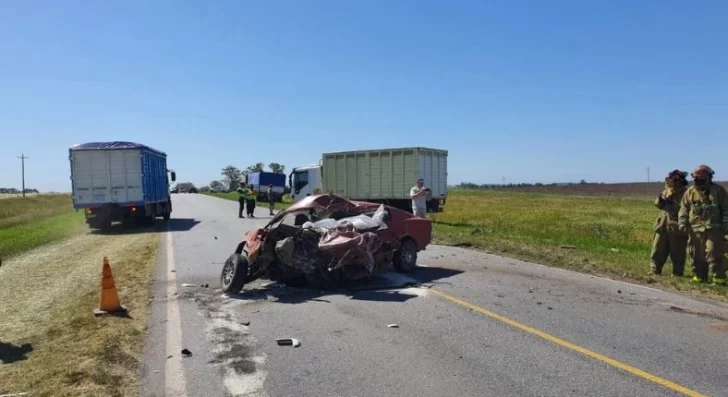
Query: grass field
{"type": "Point", "coordinates": [50, 342]}
{"type": "Point", "coordinates": [29, 222]}
{"type": "Point", "coordinates": [611, 235]}
{"type": "Point", "coordinates": [635, 189]}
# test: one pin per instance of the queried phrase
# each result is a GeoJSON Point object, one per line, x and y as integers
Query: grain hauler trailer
{"type": "Point", "coordinates": [379, 176]}
{"type": "Point", "coordinates": [120, 182]}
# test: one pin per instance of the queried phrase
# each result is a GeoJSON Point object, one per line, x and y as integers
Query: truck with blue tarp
{"type": "Point", "coordinates": [120, 182]}
{"type": "Point", "coordinates": [260, 182]}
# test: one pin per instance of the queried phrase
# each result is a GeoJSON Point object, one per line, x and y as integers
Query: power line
{"type": "Point", "coordinates": [22, 162]}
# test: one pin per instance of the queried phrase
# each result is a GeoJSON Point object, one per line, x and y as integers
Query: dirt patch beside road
{"type": "Point", "coordinates": [50, 341]}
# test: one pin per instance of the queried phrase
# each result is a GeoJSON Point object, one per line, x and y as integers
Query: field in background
{"type": "Point", "coordinates": [593, 234]}
{"type": "Point", "coordinates": [37, 219]}
{"type": "Point", "coordinates": [637, 189]}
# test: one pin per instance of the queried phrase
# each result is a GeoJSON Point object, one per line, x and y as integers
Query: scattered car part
{"type": "Point", "coordinates": [288, 342]}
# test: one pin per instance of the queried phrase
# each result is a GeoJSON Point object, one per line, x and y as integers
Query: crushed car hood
{"type": "Point", "coordinates": [328, 201]}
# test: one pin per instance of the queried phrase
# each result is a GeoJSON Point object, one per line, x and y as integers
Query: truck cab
{"type": "Point", "coordinates": [305, 181]}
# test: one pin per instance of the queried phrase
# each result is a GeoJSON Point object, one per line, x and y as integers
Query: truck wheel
{"type": "Point", "coordinates": [234, 273]}
{"type": "Point", "coordinates": [405, 259]}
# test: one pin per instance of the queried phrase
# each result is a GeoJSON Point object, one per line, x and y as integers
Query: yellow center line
{"type": "Point", "coordinates": [625, 367]}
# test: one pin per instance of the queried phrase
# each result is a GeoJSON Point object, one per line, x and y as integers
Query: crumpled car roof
{"type": "Point", "coordinates": [329, 201]}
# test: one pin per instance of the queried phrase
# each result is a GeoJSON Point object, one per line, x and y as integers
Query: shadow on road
{"type": "Point", "coordinates": [173, 225]}
{"type": "Point", "coordinates": [10, 353]}
{"type": "Point", "coordinates": [383, 287]}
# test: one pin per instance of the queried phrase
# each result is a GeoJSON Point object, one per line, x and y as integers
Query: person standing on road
{"type": "Point", "coordinates": [419, 199]}
{"type": "Point", "coordinates": [704, 214]}
{"type": "Point", "coordinates": [668, 240]}
{"type": "Point", "coordinates": [241, 201]}
{"type": "Point", "coordinates": [271, 199]}
{"type": "Point", "coordinates": [251, 201]}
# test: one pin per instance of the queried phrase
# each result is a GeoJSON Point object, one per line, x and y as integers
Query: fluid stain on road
{"type": "Point", "coordinates": [234, 347]}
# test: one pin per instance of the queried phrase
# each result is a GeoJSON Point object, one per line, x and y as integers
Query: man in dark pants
{"type": "Point", "coordinates": [250, 201]}
{"type": "Point", "coordinates": [271, 199]}
{"type": "Point", "coordinates": [241, 200]}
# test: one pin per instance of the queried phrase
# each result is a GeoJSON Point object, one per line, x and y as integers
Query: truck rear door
{"type": "Point", "coordinates": [106, 176]}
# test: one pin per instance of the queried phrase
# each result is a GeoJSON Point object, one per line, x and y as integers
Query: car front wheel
{"type": "Point", "coordinates": [405, 259]}
{"type": "Point", "coordinates": [234, 273]}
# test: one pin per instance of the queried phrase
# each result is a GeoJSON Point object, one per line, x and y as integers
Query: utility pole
{"type": "Point", "coordinates": [648, 174]}
{"type": "Point", "coordinates": [22, 162]}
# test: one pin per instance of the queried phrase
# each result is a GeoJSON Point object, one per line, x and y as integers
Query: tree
{"type": "Point", "coordinates": [277, 168]}
{"type": "Point", "coordinates": [232, 176]}
{"type": "Point", "coordinates": [257, 167]}
{"type": "Point", "coordinates": [216, 184]}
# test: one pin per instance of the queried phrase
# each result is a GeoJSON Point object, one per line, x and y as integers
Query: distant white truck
{"type": "Point", "coordinates": [380, 176]}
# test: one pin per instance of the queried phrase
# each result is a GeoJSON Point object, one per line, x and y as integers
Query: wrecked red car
{"type": "Point", "coordinates": [327, 239]}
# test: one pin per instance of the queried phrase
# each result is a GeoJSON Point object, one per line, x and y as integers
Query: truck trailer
{"type": "Point", "coordinates": [261, 181]}
{"type": "Point", "coordinates": [120, 182]}
{"type": "Point", "coordinates": [380, 176]}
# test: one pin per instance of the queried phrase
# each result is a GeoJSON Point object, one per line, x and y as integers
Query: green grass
{"type": "Point", "coordinates": [612, 235]}
{"type": "Point", "coordinates": [29, 222]}
{"type": "Point", "coordinates": [234, 197]}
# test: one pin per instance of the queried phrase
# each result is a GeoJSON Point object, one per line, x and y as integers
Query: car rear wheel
{"type": "Point", "coordinates": [405, 259]}
{"type": "Point", "coordinates": [234, 273]}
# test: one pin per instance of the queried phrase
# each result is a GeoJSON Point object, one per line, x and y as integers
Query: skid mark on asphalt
{"type": "Point", "coordinates": [234, 349]}
{"type": "Point", "coordinates": [610, 361]}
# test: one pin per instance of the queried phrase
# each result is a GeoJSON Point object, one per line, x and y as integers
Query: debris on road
{"type": "Point", "coordinates": [245, 323]}
{"type": "Point", "coordinates": [186, 353]}
{"type": "Point", "coordinates": [393, 326]}
{"type": "Point", "coordinates": [288, 342]}
{"type": "Point", "coordinates": [189, 285]}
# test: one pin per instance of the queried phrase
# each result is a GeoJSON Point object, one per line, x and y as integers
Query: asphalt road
{"type": "Point", "coordinates": [477, 325]}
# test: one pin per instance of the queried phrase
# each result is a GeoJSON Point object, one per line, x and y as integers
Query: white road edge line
{"type": "Point", "coordinates": [174, 377]}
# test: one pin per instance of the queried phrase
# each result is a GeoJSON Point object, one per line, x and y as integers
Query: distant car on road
{"type": "Point", "coordinates": [326, 239]}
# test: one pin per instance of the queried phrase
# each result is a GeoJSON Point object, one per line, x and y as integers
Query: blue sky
{"type": "Point", "coordinates": [530, 91]}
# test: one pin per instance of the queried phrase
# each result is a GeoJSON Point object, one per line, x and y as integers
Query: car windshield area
{"type": "Point", "coordinates": [332, 219]}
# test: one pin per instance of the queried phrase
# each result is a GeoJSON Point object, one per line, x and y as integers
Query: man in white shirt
{"type": "Point", "coordinates": [419, 199]}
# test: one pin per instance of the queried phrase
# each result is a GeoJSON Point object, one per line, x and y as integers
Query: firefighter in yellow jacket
{"type": "Point", "coordinates": [669, 240]}
{"type": "Point", "coordinates": [704, 214]}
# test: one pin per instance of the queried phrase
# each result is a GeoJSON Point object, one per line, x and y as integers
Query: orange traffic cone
{"type": "Point", "coordinates": [109, 302]}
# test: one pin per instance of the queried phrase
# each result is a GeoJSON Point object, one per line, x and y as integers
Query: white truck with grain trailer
{"type": "Point", "coordinates": [380, 176]}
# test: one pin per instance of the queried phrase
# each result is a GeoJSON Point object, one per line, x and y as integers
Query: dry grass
{"type": "Point", "coordinates": [50, 341]}
{"type": "Point", "coordinates": [29, 222]}
{"type": "Point", "coordinates": [612, 235]}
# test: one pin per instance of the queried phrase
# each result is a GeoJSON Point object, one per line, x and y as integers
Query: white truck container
{"type": "Point", "coordinates": [381, 175]}
{"type": "Point", "coordinates": [119, 181]}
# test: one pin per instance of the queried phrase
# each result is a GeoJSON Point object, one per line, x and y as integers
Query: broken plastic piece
{"type": "Point", "coordinates": [393, 326]}
{"type": "Point", "coordinates": [288, 342]}
{"type": "Point", "coordinates": [189, 285]}
{"type": "Point", "coordinates": [186, 353]}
